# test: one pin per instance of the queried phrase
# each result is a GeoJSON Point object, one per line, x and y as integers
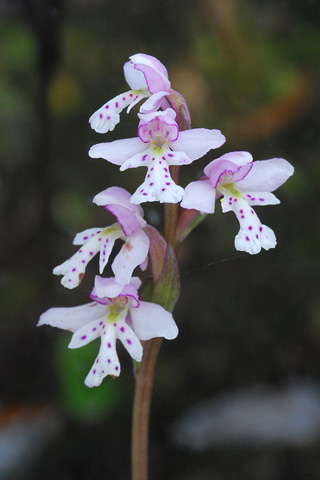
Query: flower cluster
{"type": "Point", "coordinates": [164, 140]}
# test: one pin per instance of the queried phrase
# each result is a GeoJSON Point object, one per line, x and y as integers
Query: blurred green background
{"type": "Point", "coordinates": [247, 67]}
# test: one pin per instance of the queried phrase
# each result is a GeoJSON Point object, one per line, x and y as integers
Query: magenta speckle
{"type": "Point", "coordinates": [162, 189]}
{"type": "Point", "coordinates": [152, 167]}
{"type": "Point", "coordinates": [151, 184]}
{"type": "Point", "coordinates": [91, 253]}
{"type": "Point", "coordinates": [97, 361]}
{"type": "Point", "coordinates": [248, 239]}
{"type": "Point", "coordinates": [148, 175]}
{"type": "Point", "coordinates": [94, 371]}
{"type": "Point", "coordinates": [107, 106]}
{"type": "Point", "coordinates": [101, 116]}
{"type": "Point", "coordinates": [114, 324]}
{"type": "Point", "coordinates": [144, 194]}
{"type": "Point", "coordinates": [85, 238]}
{"type": "Point", "coordinates": [109, 361]}
{"type": "Point", "coordinates": [108, 118]}
{"type": "Point", "coordinates": [101, 323]}
{"type": "Point", "coordinates": [257, 236]}
{"type": "Point", "coordinates": [122, 329]}
{"type": "Point", "coordinates": [69, 280]}
{"type": "Point", "coordinates": [250, 228]}
{"type": "Point", "coordinates": [242, 216]}
{"type": "Point", "coordinates": [144, 157]}
{"type": "Point", "coordinates": [128, 341]}
{"type": "Point", "coordinates": [260, 229]}
{"type": "Point", "coordinates": [74, 269]}
{"type": "Point", "coordinates": [117, 104]}
{"type": "Point", "coordinates": [109, 345]}
{"type": "Point", "coordinates": [131, 95]}
{"type": "Point", "coordinates": [170, 155]}
{"type": "Point", "coordinates": [117, 368]}
{"type": "Point", "coordinates": [168, 183]}
{"type": "Point", "coordinates": [261, 199]}
{"type": "Point", "coordinates": [123, 98]}
{"type": "Point", "coordinates": [94, 329]}
{"type": "Point", "coordinates": [83, 261]}
{"type": "Point", "coordinates": [83, 337]}
{"type": "Point", "coordinates": [241, 211]}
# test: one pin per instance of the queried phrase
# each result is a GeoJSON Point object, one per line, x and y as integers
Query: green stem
{"type": "Point", "coordinates": [141, 409]}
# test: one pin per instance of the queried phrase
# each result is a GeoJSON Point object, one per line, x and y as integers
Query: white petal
{"type": "Point", "coordinates": [261, 198]}
{"type": "Point", "coordinates": [106, 246]}
{"type": "Point", "coordinates": [73, 269]}
{"type": "Point", "coordinates": [119, 151]}
{"type": "Point", "coordinates": [132, 254]}
{"type": "Point", "coordinates": [200, 195]}
{"type": "Point", "coordinates": [72, 318]}
{"type": "Point", "coordinates": [252, 235]}
{"type": "Point", "coordinates": [87, 333]}
{"type": "Point", "coordinates": [85, 235]}
{"type": "Point", "coordinates": [266, 175]}
{"type": "Point", "coordinates": [150, 320]}
{"type": "Point", "coordinates": [198, 141]}
{"type": "Point", "coordinates": [107, 116]}
{"type": "Point", "coordinates": [129, 340]}
{"type": "Point", "coordinates": [107, 361]}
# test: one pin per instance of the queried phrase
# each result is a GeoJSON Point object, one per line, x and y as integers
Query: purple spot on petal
{"type": "Point", "coordinates": [162, 189]}
{"type": "Point", "coordinates": [109, 345]}
{"type": "Point", "coordinates": [114, 324]}
{"type": "Point", "coordinates": [109, 361]}
{"type": "Point", "coordinates": [94, 371]}
{"type": "Point", "coordinates": [108, 118]}
{"type": "Point", "coordinates": [123, 98]}
{"type": "Point", "coordinates": [74, 269]}
{"type": "Point", "coordinates": [117, 104]}
{"type": "Point", "coordinates": [91, 253]}
{"type": "Point", "coordinates": [94, 329]}
{"type": "Point", "coordinates": [241, 211]}
{"type": "Point", "coordinates": [168, 183]}
{"type": "Point", "coordinates": [151, 184]}
{"type": "Point", "coordinates": [83, 337]}
{"type": "Point", "coordinates": [101, 323]}
{"type": "Point", "coordinates": [85, 238]}
{"type": "Point", "coordinates": [97, 361]}
{"type": "Point", "coordinates": [131, 95]}
{"type": "Point", "coordinates": [101, 116]}
{"type": "Point", "coordinates": [250, 228]}
{"type": "Point", "coordinates": [83, 261]}
{"type": "Point", "coordinates": [117, 368]}
{"type": "Point", "coordinates": [242, 216]}
{"type": "Point", "coordinates": [248, 239]}
{"type": "Point", "coordinates": [170, 155]}
{"type": "Point", "coordinates": [128, 341]}
{"type": "Point", "coordinates": [257, 236]}
{"type": "Point", "coordinates": [122, 329]}
{"type": "Point", "coordinates": [260, 229]}
{"type": "Point", "coordinates": [261, 199]}
{"type": "Point", "coordinates": [107, 106]}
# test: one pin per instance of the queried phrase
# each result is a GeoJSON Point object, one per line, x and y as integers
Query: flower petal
{"type": "Point", "coordinates": [119, 151]}
{"type": "Point", "coordinates": [153, 103]}
{"type": "Point", "coordinates": [200, 195]}
{"type": "Point", "coordinates": [88, 332]}
{"type": "Point", "coordinates": [150, 320]}
{"type": "Point", "coordinates": [158, 186]}
{"type": "Point", "coordinates": [133, 252]}
{"type": "Point", "coordinates": [107, 361]}
{"type": "Point", "coordinates": [198, 141]}
{"type": "Point", "coordinates": [72, 318]}
{"type": "Point", "coordinates": [117, 201]}
{"type": "Point", "coordinates": [129, 340]}
{"type": "Point", "coordinates": [252, 235]}
{"type": "Point", "coordinates": [107, 116]}
{"type": "Point", "coordinates": [73, 269]}
{"type": "Point", "coordinates": [85, 235]}
{"type": "Point", "coordinates": [155, 73]}
{"type": "Point", "coordinates": [266, 175]}
{"type": "Point", "coordinates": [261, 198]}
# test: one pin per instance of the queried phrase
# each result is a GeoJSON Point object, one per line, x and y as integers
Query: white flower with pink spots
{"type": "Point", "coordinates": [115, 313]}
{"type": "Point", "coordinates": [158, 146]}
{"type": "Point", "coordinates": [134, 252]}
{"type": "Point", "coordinates": [243, 183]}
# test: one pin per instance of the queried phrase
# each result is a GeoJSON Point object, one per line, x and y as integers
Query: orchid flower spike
{"type": "Point", "coordinates": [115, 313]}
{"type": "Point", "coordinates": [134, 252]}
{"type": "Point", "coordinates": [146, 77]}
{"type": "Point", "coordinates": [159, 144]}
{"type": "Point", "coordinates": [242, 183]}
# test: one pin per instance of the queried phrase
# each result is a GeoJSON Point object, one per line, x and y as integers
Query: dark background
{"type": "Point", "coordinates": [249, 68]}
